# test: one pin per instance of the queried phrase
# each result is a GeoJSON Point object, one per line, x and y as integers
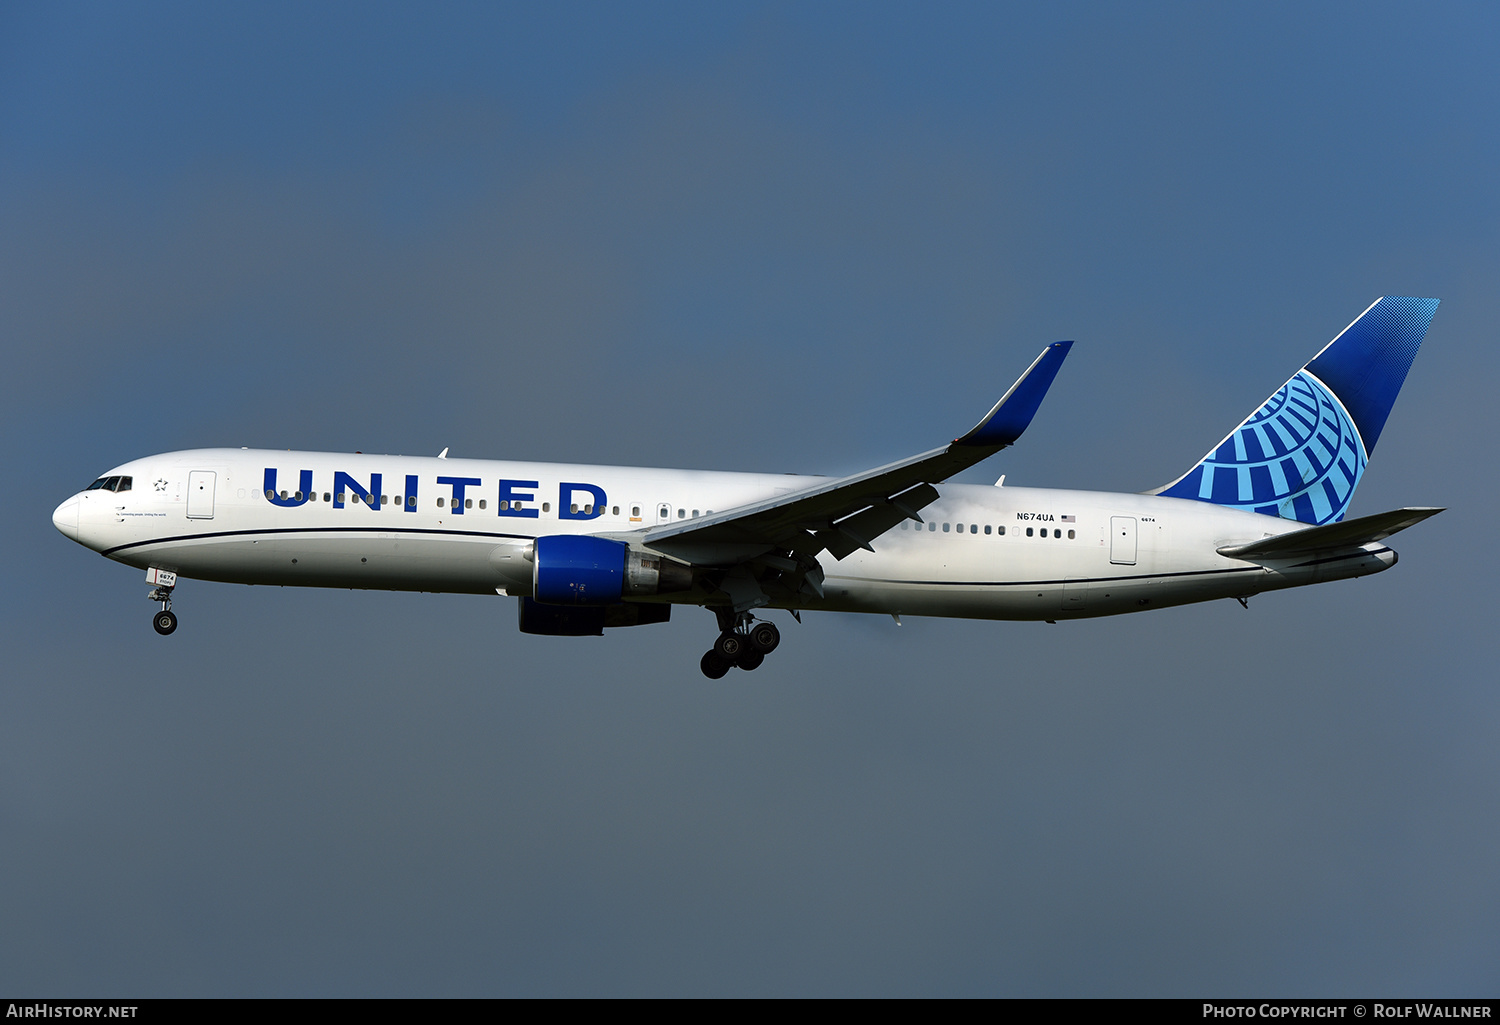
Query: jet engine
{"type": "Point", "coordinates": [572, 569]}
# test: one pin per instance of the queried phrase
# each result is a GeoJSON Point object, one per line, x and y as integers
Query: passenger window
{"type": "Point", "coordinates": [1028, 531]}
{"type": "Point", "coordinates": [635, 510]}
{"type": "Point", "coordinates": [945, 528]}
{"type": "Point", "coordinates": [932, 525]}
{"type": "Point", "coordinates": [986, 528]}
{"type": "Point", "coordinates": [1001, 528]}
{"type": "Point", "coordinates": [339, 498]}
{"type": "Point", "coordinates": [1071, 535]}
{"type": "Point", "coordinates": [973, 528]}
{"type": "Point", "coordinates": [385, 499]}
{"type": "Point", "coordinates": [440, 503]}
{"type": "Point", "coordinates": [297, 495]}
{"type": "Point", "coordinates": [468, 503]}
{"type": "Point", "coordinates": [573, 508]}
{"type": "Point", "coordinates": [481, 503]}
{"type": "Point", "coordinates": [681, 513]}
{"type": "Point", "coordinates": [283, 495]}
{"type": "Point", "coordinates": [695, 514]}
{"type": "Point", "coordinates": [1057, 534]}
{"type": "Point", "coordinates": [327, 497]}
{"type": "Point", "coordinates": [616, 511]}
{"type": "Point", "coordinates": [546, 507]}
{"type": "Point", "coordinates": [504, 505]}
{"type": "Point", "coordinates": [903, 524]}
{"type": "Point", "coordinates": [411, 501]}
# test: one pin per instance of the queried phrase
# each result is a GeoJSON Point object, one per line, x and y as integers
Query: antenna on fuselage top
{"type": "Point", "coordinates": [443, 454]}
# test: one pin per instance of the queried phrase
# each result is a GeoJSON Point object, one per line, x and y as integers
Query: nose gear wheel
{"type": "Point", "coordinates": [164, 621]}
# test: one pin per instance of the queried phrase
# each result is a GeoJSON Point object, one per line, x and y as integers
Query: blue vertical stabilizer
{"type": "Point", "coordinates": [1301, 454]}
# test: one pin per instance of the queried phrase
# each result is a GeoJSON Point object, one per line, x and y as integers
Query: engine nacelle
{"type": "Point", "coordinates": [586, 620]}
{"type": "Point", "coordinates": [576, 569]}
{"type": "Point", "coordinates": [573, 569]}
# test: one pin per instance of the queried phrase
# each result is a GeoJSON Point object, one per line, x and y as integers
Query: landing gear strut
{"type": "Point", "coordinates": [742, 643]}
{"type": "Point", "coordinates": [164, 621]}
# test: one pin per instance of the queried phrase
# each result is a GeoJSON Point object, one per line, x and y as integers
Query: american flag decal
{"type": "Point", "coordinates": [1068, 519]}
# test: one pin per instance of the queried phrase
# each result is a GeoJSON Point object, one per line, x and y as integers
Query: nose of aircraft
{"type": "Point", "coordinates": [65, 518]}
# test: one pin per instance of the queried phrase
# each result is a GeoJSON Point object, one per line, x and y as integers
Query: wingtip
{"type": "Point", "coordinates": [1004, 423]}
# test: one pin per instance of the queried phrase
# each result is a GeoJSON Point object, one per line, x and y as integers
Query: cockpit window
{"type": "Point", "coordinates": [98, 484]}
{"type": "Point", "coordinates": [110, 484]}
{"type": "Point", "coordinates": [124, 484]}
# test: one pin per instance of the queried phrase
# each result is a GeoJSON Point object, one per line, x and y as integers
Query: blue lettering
{"type": "Point", "coordinates": [291, 501]}
{"type": "Point", "coordinates": [458, 484]}
{"type": "Point", "coordinates": [370, 498]}
{"type": "Point", "coordinates": [510, 498]}
{"type": "Point", "coordinates": [567, 509]}
{"type": "Point", "coordinates": [411, 493]}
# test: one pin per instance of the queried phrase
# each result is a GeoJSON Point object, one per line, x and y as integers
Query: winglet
{"type": "Point", "coordinates": [1012, 414]}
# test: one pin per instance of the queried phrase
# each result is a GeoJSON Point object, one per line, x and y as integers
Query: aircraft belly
{"type": "Point", "coordinates": [972, 600]}
{"type": "Point", "coordinates": [389, 562]}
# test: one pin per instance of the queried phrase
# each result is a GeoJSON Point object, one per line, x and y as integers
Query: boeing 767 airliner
{"type": "Point", "coordinates": [583, 548]}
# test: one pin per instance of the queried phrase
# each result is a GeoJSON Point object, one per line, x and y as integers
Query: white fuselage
{"type": "Point", "coordinates": [982, 552]}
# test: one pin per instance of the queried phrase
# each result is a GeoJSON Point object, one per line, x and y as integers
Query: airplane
{"type": "Point", "coordinates": [588, 548]}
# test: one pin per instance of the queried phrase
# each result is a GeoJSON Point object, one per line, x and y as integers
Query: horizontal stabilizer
{"type": "Point", "coordinates": [1347, 534]}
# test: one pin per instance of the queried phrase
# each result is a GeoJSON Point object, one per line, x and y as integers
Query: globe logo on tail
{"type": "Point", "coordinates": [1298, 457]}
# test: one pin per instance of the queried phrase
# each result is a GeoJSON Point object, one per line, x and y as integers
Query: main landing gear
{"type": "Point", "coordinates": [164, 621]}
{"type": "Point", "coordinates": [742, 643]}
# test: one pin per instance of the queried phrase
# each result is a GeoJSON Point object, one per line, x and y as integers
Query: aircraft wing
{"type": "Point", "coordinates": [1346, 534]}
{"type": "Point", "coordinates": [847, 513]}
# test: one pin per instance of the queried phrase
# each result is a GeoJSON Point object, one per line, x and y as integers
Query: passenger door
{"type": "Point", "coordinates": [1122, 540]}
{"type": "Point", "coordinates": [200, 500]}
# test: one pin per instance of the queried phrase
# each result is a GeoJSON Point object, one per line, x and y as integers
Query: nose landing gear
{"type": "Point", "coordinates": [164, 621]}
{"type": "Point", "coordinates": [742, 643]}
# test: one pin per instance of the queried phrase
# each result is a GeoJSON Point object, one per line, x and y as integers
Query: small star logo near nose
{"type": "Point", "coordinates": [161, 484]}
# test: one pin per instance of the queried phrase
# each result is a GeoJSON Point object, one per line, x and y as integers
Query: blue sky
{"type": "Point", "coordinates": [774, 237]}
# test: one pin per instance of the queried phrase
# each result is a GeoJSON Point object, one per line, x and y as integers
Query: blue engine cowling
{"type": "Point", "coordinates": [574, 569]}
